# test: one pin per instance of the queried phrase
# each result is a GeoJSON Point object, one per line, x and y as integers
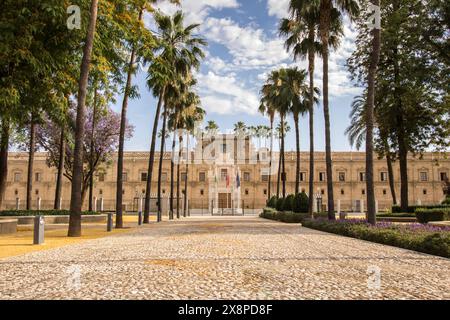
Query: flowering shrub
{"type": "Point", "coordinates": [423, 238]}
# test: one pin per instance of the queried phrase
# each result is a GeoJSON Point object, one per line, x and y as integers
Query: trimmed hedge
{"type": "Point", "coordinates": [301, 203]}
{"type": "Point", "coordinates": [280, 204]}
{"type": "Point", "coordinates": [27, 213]}
{"type": "Point", "coordinates": [288, 204]}
{"type": "Point", "coordinates": [396, 215]}
{"type": "Point", "coordinates": [415, 237]}
{"type": "Point", "coordinates": [436, 214]}
{"type": "Point", "coordinates": [412, 209]}
{"type": "Point", "coordinates": [272, 203]}
{"type": "Point", "coordinates": [283, 216]}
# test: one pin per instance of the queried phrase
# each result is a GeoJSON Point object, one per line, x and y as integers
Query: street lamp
{"type": "Point", "coordinates": [318, 197]}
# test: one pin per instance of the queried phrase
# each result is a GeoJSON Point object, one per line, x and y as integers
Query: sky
{"type": "Point", "coordinates": [243, 47]}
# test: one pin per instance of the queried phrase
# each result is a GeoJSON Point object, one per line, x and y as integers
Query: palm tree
{"type": "Point", "coordinates": [330, 18]}
{"type": "Point", "coordinates": [179, 51]}
{"type": "Point", "coordinates": [211, 128]}
{"type": "Point", "coordinates": [75, 200]}
{"type": "Point", "coordinates": [374, 59]}
{"type": "Point", "coordinates": [266, 108]}
{"type": "Point", "coordinates": [302, 38]}
{"type": "Point", "coordinates": [240, 128]}
{"type": "Point", "coordinates": [281, 130]}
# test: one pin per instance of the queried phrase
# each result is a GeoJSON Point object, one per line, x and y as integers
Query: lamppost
{"type": "Point", "coordinates": [139, 197]}
{"type": "Point", "coordinates": [318, 197]}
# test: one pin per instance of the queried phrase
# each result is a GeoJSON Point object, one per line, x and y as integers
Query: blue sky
{"type": "Point", "coordinates": [243, 47]}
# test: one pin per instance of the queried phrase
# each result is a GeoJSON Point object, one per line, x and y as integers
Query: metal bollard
{"type": "Point", "coordinates": [140, 218]}
{"type": "Point", "coordinates": [109, 225]}
{"type": "Point", "coordinates": [39, 227]}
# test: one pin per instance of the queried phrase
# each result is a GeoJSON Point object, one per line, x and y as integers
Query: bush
{"type": "Point", "coordinates": [301, 203]}
{"type": "Point", "coordinates": [280, 204]}
{"type": "Point", "coordinates": [272, 203]}
{"type": "Point", "coordinates": [27, 213]}
{"type": "Point", "coordinates": [283, 216]}
{"type": "Point", "coordinates": [446, 201]}
{"type": "Point", "coordinates": [396, 215]}
{"type": "Point", "coordinates": [412, 209]}
{"type": "Point", "coordinates": [288, 203]}
{"type": "Point", "coordinates": [437, 214]}
{"type": "Point", "coordinates": [422, 238]}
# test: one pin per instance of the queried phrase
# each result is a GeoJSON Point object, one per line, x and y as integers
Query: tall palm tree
{"type": "Point", "coordinates": [211, 128]}
{"type": "Point", "coordinates": [301, 31]}
{"type": "Point", "coordinates": [330, 18]}
{"type": "Point", "coordinates": [240, 128]}
{"type": "Point", "coordinates": [267, 109]}
{"type": "Point", "coordinates": [374, 59]}
{"type": "Point", "coordinates": [75, 200]}
{"type": "Point", "coordinates": [178, 50]}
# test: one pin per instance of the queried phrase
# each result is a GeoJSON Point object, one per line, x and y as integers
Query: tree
{"type": "Point", "coordinates": [211, 128]}
{"type": "Point", "coordinates": [76, 197]}
{"type": "Point", "coordinates": [330, 18]}
{"type": "Point", "coordinates": [267, 109]}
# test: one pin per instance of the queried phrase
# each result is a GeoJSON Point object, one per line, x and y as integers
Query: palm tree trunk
{"type": "Point", "coordinates": [161, 157]}
{"type": "Point", "coordinates": [325, 12]}
{"type": "Point", "coordinates": [151, 160]}
{"type": "Point", "coordinates": [391, 177]}
{"type": "Point", "coordinates": [297, 145]}
{"type": "Point", "coordinates": [75, 200]}
{"type": "Point", "coordinates": [270, 160]}
{"type": "Point", "coordinates": [375, 57]}
{"type": "Point", "coordinates": [92, 150]}
{"type": "Point", "coordinates": [283, 171]}
{"type": "Point", "coordinates": [4, 150]}
{"type": "Point", "coordinates": [180, 141]}
{"type": "Point", "coordinates": [123, 123]}
{"type": "Point", "coordinates": [59, 180]}
{"type": "Point", "coordinates": [31, 151]}
{"type": "Point", "coordinates": [172, 173]}
{"type": "Point", "coordinates": [185, 204]}
{"type": "Point", "coordinates": [279, 169]}
{"type": "Point", "coordinates": [311, 125]}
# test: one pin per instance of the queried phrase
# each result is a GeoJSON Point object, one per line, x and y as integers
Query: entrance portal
{"type": "Point", "coordinates": [224, 200]}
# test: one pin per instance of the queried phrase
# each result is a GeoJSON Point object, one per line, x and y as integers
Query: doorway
{"type": "Point", "coordinates": [224, 200]}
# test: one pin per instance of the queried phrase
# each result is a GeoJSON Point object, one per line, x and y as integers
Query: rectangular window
{"type": "Point", "coordinates": [37, 177]}
{"type": "Point", "coordinates": [302, 176]}
{"type": "Point", "coordinates": [265, 178]}
{"type": "Point", "coordinates": [164, 176]}
{"type": "Point", "coordinates": [124, 177]}
{"type": "Point", "coordinates": [247, 176]}
{"type": "Point", "coordinates": [183, 176]}
{"type": "Point", "coordinates": [202, 176]}
{"type": "Point", "coordinates": [101, 177]}
{"type": "Point", "coordinates": [443, 176]}
{"type": "Point", "coordinates": [143, 176]}
{"type": "Point", "coordinates": [341, 176]}
{"type": "Point", "coordinates": [223, 174]}
{"type": "Point", "coordinates": [322, 176]}
{"type": "Point", "coordinates": [383, 176]}
{"type": "Point", "coordinates": [362, 176]}
{"type": "Point", "coordinates": [423, 176]}
{"type": "Point", "coordinates": [224, 148]}
{"type": "Point", "coordinates": [17, 177]}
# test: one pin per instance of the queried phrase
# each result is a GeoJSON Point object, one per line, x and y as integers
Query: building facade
{"type": "Point", "coordinates": [219, 181]}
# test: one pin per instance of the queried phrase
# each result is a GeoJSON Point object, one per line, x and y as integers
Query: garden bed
{"type": "Point", "coordinates": [418, 237]}
{"type": "Point", "coordinates": [28, 213]}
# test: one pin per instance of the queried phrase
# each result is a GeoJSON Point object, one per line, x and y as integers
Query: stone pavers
{"type": "Point", "coordinates": [224, 258]}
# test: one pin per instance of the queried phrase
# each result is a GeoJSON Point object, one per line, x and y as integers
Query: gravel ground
{"type": "Point", "coordinates": [225, 258]}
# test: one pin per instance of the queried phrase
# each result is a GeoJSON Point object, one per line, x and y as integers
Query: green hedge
{"type": "Point", "coordinates": [396, 215]}
{"type": "Point", "coordinates": [446, 201]}
{"type": "Point", "coordinates": [426, 241]}
{"type": "Point", "coordinates": [272, 203]}
{"type": "Point", "coordinates": [301, 203]}
{"type": "Point", "coordinates": [412, 209]}
{"type": "Point", "coordinates": [27, 213]}
{"type": "Point", "coordinates": [283, 216]}
{"type": "Point", "coordinates": [436, 214]}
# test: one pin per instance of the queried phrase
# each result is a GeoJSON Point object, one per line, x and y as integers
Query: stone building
{"type": "Point", "coordinates": [227, 175]}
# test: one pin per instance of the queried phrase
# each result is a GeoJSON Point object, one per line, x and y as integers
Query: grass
{"type": "Point", "coordinates": [56, 236]}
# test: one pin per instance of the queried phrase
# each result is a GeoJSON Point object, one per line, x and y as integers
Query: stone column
{"type": "Point", "coordinates": [17, 203]}
{"type": "Point", "coordinates": [376, 206]}
{"type": "Point", "coordinates": [95, 204]}
{"type": "Point", "coordinates": [38, 203]}
{"type": "Point", "coordinates": [101, 204]}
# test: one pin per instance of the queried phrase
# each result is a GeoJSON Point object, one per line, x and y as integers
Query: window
{"type": "Point", "coordinates": [202, 192]}
{"type": "Point", "coordinates": [322, 191]}
{"type": "Point", "coordinates": [100, 192]}
{"type": "Point", "coordinates": [143, 176]}
{"type": "Point", "coordinates": [425, 192]}
{"type": "Point", "coordinates": [223, 174]}
{"type": "Point", "coordinates": [17, 177]}
{"type": "Point", "coordinates": [384, 192]}
{"type": "Point", "coordinates": [224, 147]}
{"type": "Point", "coordinates": [423, 176]}
{"type": "Point", "coordinates": [164, 176]}
{"type": "Point", "coordinates": [362, 176]}
{"type": "Point", "coordinates": [183, 176]}
{"type": "Point", "coordinates": [247, 176]}
{"type": "Point", "coordinates": [246, 192]}
{"type": "Point", "coordinates": [143, 191]}
{"type": "Point", "coordinates": [202, 176]}
{"type": "Point", "coordinates": [163, 191]}
{"type": "Point", "coordinates": [37, 177]}
{"type": "Point", "coordinates": [321, 176]}
{"type": "Point", "coordinates": [16, 192]}
{"type": "Point", "coordinates": [265, 191]}
{"type": "Point", "coordinates": [303, 191]}
{"type": "Point", "coordinates": [101, 177]}
{"type": "Point", "coordinates": [265, 178]}
{"type": "Point", "coordinates": [342, 191]}
{"type": "Point", "coordinates": [183, 192]}
{"type": "Point", "coordinates": [302, 176]}
{"type": "Point", "coordinates": [363, 191]}
{"type": "Point", "coordinates": [123, 191]}
{"type": "Point", "coordinates": [341, 176]}
{"type": "Point", "coordinates": [124, 176]}
{"type": "Point", "coordinates": [443, 176]}
{"type": "Point", "coordinates": [36, 192]}
{"type": "Point", "coordinates": [383, 176]}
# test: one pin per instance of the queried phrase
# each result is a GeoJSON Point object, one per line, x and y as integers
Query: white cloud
{"type": "Point", "coordinates": [249, 46]}
{"type": "Point", "coordinates": [278, 8]}
{"type": "Point", "coordinates": [226, 95]}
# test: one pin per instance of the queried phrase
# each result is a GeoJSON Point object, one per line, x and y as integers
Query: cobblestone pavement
{"type": "Point", "coordinates": [224, 258]}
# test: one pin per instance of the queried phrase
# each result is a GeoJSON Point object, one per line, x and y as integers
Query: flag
{"type": "Point", "coordinates": [238, 181]}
